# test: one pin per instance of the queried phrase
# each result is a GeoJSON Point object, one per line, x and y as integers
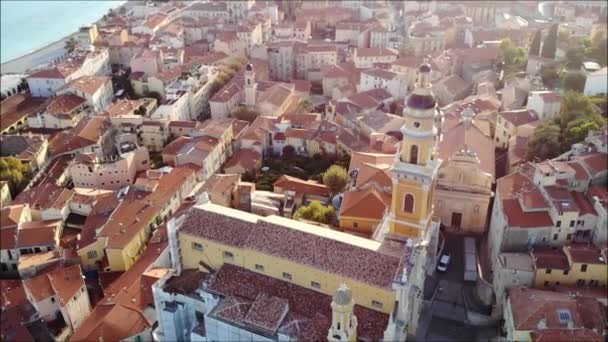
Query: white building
{"type": "Point", "coordinates": [60, 292]}
{"type": "Point", "coordinates": [597, 82]}
{"type": "Point", "coordinates": [45, 83]}
{"type": "Point", "coordinates": [396, 84]}
{"type": "Point", "coordinates": [97, 90]}
{"type": "Point", "coordinates": [546, 104]}
{"type": "Point", "coordinates": [64, 111]}
{"type": "Point", "coordinates": [112, 171]}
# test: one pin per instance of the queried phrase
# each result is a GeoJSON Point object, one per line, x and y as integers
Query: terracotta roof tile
{"type": "Point", "coordinates": [18, 107]}
{"type": "Point", "coordinates": [368, 203]}
{"type": "Point", "coordinates": [585, 254]}
{"type": "Point", "coordinates": [518, 218]}
{"type": "Point", "coordinates": [519, 117]}
{"type": "Point", "coordinates": [308, 313]}
{"type": "Point", "coordinates": [87, 84]}
{"type": "Point", "coordinates": [64, 104]}
{"type": "Point", "coordinates": [288, 183]}
{"type": "Point", "coordinates": [530, 306]}
{"type": "Point", "coordinates": [38, 233]}
{"type": "Point", "coordinates": [549, 258]}
{"type": "Point", "coordinates": [291, 243]}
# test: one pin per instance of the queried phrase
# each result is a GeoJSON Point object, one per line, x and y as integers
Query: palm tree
{"type": "Point", "coordinates": [70, 45]}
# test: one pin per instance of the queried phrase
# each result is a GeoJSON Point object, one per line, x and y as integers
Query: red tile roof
{"type": "Point", "coordinates": [585, 254]}
{"type": "Point", "coordinates": [18, 107]}
{"type": "Point", "coordinates": [10, 216]}
{"type": "Point", "coordinates": [582, 202]}
{"type": "Point", "coordinates": [549, 258]}
{"type": "Point", "coordinates": [517, 218]}
{"type": "Point", "coordinates": [468, 136]}
{"type": "Point", "coordinates": [87, 84]}
{"type": "Point", "coordinates": [63, 282]}
{"type": "Point", "coordinates": [38, 233]}
{"type": "Point", "coordinates": [289, 183]}
{"type": "Point", "coordinates": [64, 104]}
{"type": "Point", "coordinates": [245, 158]}
{"type": "Point", "coordinates": [293, 310]}
{"type": "Point", "coordinates": [87, 132]}
{"type": "Point", "coordinates": [519, 117]}
{"type": "Point", "coordinates": [315, 251]}
{"type": "Point", "coordinates": [566, 335]}
{"type": "Point", "coordinates": [530, 306]}
{"type": "Point", "coordinates": [121, 313]}
{"type": "Point", "coordinates": [369, 203]}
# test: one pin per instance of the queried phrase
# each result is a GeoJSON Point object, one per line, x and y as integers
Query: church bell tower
{"type": "Point", "coordinates": [416, 165]}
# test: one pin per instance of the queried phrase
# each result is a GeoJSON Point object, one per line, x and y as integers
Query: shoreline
{"type": "Point", "coordinates": [43, 54]}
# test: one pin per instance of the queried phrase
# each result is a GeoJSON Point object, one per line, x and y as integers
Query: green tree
{"type": "Point", "coordinates": [577, 130]}
{"type": "Point", "coordinates": [15, 173]}
{"type": "Point", "coordinates": [70, 45]}
{"type": "Point", "coordinates": [306, 105]}
{"type": "Point", "coordinates": [544, 142]}
{"type": "Point", "coordinates": [244, 113]}
{"type": "Point", "coordinates": [549, 76]}
{"type": "Point", "coordinates": [141, 110]}
{"type": "Point", "coordinates": [574, 58]}
{"type": "Point", "coordinates": [550, 44]}
{"type": "Point", "coordinates": [511, 54]}
{"type": "Point", "coordinates": [535, 47]}
{"type": "Point", "coordinates": [317, 212]}
{"type": "Point", "coordinates": [574, 81]}
{"type": "Point", "coordinates": [335, 178]}
{"type": "Point", "coordinates": [575, 102]}
{"type": "Point", "coordinates": [597, 48]}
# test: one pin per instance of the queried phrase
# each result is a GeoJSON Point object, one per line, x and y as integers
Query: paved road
{"type": "Point", "coordinates": [445, 318]}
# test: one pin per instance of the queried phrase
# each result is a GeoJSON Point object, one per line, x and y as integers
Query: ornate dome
{"type": "Point", "coordinates": [249, 67]}
{"type": "Point", "coordinates": [343, 296]}
{"type": "Point", "coordinates": [425, 68]}
{"type": "Point", "coordinates": [421, 101]}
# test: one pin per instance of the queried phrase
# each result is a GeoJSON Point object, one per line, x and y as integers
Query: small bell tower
{"type": "Point", "coordinates": [343, 321]}
{"type": "Point", "coordinates": [251, 86]}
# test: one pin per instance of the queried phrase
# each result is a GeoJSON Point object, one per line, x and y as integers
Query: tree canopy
{"type": "Point", "coordinates": [574, 58]}
{"type": "Point", "coordinates": [544, 143]}
{"type": "Point", "coordinates": [317, 212]}
{"type": "Point", "coordinates": [596, 48]}
{"type": "Point", "coordinates": [574, 81]}
{"type": "Point", "coordinates": [245, 114]}
{"type": "Point", "coordinates": [578, 116]}
{"type": "Point", "coordinates": [535, 47]}
{"type": "Point", "coordinates": [550, 44]}
{"type": "Point", "coordinates": [514, 57]}
{"type": "Point", "coordinates": [15, 173]}
{"type": "Point", "coordinates": [70, 45]}
{"type": "Point", "coordinates": [335, 178]}
{"type": "Point", "coordinates": [549, 76]}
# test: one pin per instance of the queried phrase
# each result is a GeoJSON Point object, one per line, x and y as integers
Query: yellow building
{"type": "Point", "coordinates": [415, 171]}
{"type": "Point", "coordinates": [577, 264]}
{"type": "Point", "coordinates": [312, 257]}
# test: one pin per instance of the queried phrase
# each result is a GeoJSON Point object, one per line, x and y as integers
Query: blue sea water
{"type": "Point", "coordinates": [28, 25]}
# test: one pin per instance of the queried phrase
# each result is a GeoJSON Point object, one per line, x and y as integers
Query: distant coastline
{"type": "Point", "coordinates": [40, 56]}
{"type": "Point", "coordinates": [43, 54]}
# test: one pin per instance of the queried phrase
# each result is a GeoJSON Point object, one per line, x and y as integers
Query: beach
{"type": "Point", "coordinates": [34, 32]}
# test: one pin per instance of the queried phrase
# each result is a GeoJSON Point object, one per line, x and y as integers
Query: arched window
{"type": "Point", "coordinates": [414, 154]}
{"type": "Point", "coordinates": [408, 203]}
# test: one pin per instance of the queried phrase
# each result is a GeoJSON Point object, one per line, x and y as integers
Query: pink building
{"type": "Point", "coordinates": [147, 61]}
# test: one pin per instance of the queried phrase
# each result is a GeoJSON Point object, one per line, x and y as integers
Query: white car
{"type": "Point", "coordinates": [444, 261]}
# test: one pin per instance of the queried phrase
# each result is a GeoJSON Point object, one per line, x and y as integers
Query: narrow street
{"type": "Point", "coordinates": [448, 298]}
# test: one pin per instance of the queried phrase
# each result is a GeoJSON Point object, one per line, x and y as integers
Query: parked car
{"type": "Point", "coordinates": [444, 262]}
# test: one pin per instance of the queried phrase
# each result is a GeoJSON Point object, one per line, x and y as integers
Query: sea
{"type": "Point", "coordinates": [27, 25]}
